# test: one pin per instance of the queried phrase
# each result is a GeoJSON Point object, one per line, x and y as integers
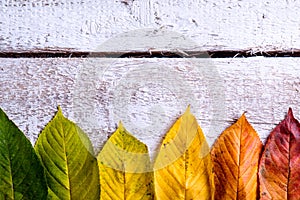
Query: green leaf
{"type": "Point", "coordinates": [21, 173]}
{"type": "Point", "coordinates": [125, 170]}
{"type": "Point", "coordinates": [68, 158]}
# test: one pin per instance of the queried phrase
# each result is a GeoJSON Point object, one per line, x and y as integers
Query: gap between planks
{"type": "Point", "coordinates": [61, 53]}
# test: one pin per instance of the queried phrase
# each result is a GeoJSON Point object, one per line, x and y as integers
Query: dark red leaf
{"type": "Point", "coordinates": [279, 169]}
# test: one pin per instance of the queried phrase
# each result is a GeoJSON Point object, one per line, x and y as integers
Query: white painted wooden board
{"type": "Point", "coordinates": [148, 94]}
{"type": "Point", "coordinates": [195, 25]}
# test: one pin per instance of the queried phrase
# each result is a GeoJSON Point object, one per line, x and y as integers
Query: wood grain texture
{"type": "Point", "coordinates": [211, 25]}
{"type": "Point", "coordinates": [148, 94]}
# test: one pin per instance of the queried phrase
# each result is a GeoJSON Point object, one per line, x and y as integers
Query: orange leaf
{"type": "Point", "coordinates": [279, 168]}
{"type": "Point", "coordinates": [235, 157]}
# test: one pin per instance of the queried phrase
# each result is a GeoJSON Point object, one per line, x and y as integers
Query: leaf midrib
{"type": "Point", "coordinates": [185, 157]}
{"type": "Point", "coordinates": [289, 160]}
{"type": "Point", "coordinates": [123, 163]}
{"type": "Point", "coordinates": [10, 172]}
{"type": "Point", "coordinates": [10, 164]}
{"type": "Point", "coordinates": [239, 163]}
{"type": "Point", "coordinates": [66, 159]}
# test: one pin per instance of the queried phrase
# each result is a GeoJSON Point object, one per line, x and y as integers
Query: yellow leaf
{"type": "Point", "coordinates": [183, 168]}
{"type": "Point", "coordinates": [235, 157]}
{"type": "Point", "coordinates": [125, 169]}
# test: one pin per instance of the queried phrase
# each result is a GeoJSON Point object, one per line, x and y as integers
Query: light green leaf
{"type": "Point", "coordinates": [68, 158]}
{"type": "Point", "coordinates": [21, 173]}
{"type": "Point", "coordinates": [125, 170]}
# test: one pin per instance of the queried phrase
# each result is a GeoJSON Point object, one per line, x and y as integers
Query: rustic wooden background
{"type": "Point", "coordinates": [96, 87]}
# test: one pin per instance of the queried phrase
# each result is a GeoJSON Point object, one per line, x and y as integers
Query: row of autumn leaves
{"type": "Point", "coordinates": [62, 164]}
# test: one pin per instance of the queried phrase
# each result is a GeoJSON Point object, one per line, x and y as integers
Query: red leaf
{"type": "Point", "coordinates": [279, 168]}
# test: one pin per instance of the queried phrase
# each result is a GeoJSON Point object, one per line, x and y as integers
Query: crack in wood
{"type": "Point", "coordinates": [146, 54]}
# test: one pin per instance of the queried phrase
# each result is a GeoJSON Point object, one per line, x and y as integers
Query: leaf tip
{"type": "Point", "coordinates": [188, 109]}
{"type": "Point", "coordinates": [59, 113]}
{"type": "Point", "coordinates": [290, 115]}
{"type": "Point", "coordinates": [2, 113]}
{"type": "Point", "coordinates": [244, 115]}
{"type": "Point", "coordinates": [59, 110]}
{"type": "Point", "coordinates": [120, 125]}
{"type": "Point", "coordinates": [290, 112]}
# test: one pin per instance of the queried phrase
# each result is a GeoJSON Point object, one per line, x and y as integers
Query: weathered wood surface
{"type": "Point", "coordinates": [149, 94]}
{"type": "Point", "coordinates": [195, 25]}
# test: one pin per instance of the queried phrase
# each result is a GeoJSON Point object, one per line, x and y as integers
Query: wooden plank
{"type": "Point", "coordinates": [127, 25]}
{"type": "Point", "coordinates": [149, 94]}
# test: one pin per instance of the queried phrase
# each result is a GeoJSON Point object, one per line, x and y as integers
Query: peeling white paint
{"type": "Point", "coordinates": [31, 90]}
{"type": "Point", "coordinates": [213, 25]}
